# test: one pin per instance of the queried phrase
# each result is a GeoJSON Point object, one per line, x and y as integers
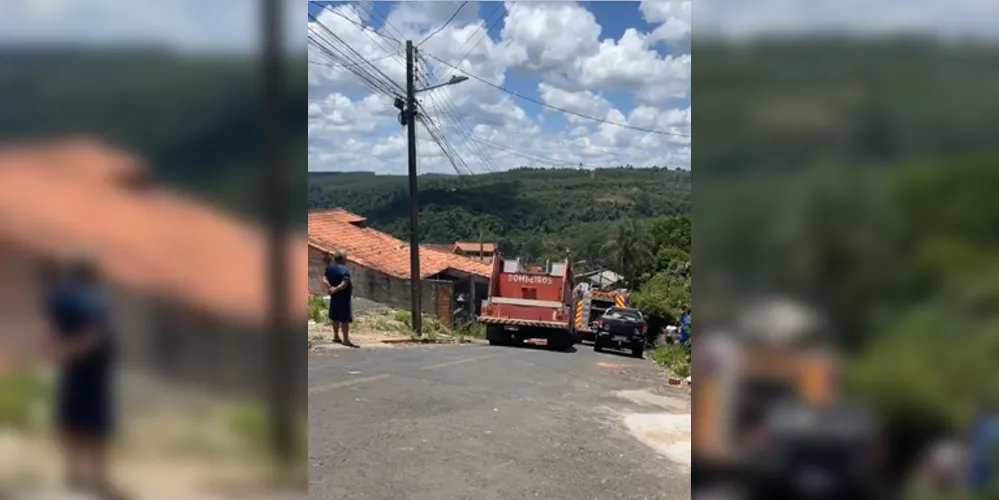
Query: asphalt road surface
{"type": "Point", "coordinates": [487, 423]}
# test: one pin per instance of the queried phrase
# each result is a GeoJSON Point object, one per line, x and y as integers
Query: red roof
{"type": "Point", "coordinates": [342, 215]}
{"type": "Point", "coordinates": [379, 251]}
{"type": "Point", "coordinates": [71, 196]}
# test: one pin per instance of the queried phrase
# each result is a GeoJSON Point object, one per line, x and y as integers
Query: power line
{"type": "Point", "coordinates": [338, 65]}
{"type": "Point", "coordinates": [369, 8]}
{"type": "Point", "coordinates": [358, 63]}
{"type": "Point", "coordinates": [445, 24]}
{"type": "Point", "coordinates": [367, 30]}
{"type": "Point", "coordinates": [356, 68]}
{"type": "Point", "coordinates": [326, 7]}
{"type": "Point", "coordinates": [529, 156]}
{"type": "Point", "coordinates": [485, 33]}
{"type": "Point", "coordinates": [456, 118]}
{"type": "Point", "coordinates": [437, 135]}
{"type": "Point", "coordinates": [563, 110]}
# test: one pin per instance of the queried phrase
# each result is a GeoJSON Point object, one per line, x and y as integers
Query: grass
{"type": "Point", "coordinates": [396, 321]}
{"type": "Point", "coordinates": [22, 395]}
{"type": "Point", "coordinates": [250, 422]}
{"type": "Point", "coordinates": [317, 309]}
{"type": "Point", "coordinates": [672, 357]}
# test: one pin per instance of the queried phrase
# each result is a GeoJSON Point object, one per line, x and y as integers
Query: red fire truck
{"type": "Point", "coordinates": [529, 305]}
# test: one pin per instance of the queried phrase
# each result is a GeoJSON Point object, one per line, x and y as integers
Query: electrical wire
{"type": "Point", "coordinates": [556, 108]}
{"type": "Point", "coordinates": [356, 58]}
{"type": "Point", "coordinates": [337, 55]}
{"type": "Point", "coordinates": [338, 65]}
{"type": "Point", "coordinates": [445, 24]}
{"type": "Point", "coordinates": [438, 137]}
{"type": "Point", "coordinates": [485, 33]}
{"type": "Point", "coordinates": [459, 125]}
{"type": "Point", "coordinates": [326, 7]}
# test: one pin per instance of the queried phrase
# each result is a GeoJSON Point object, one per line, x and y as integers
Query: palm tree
{"type": "Point", "coordinates": [630, 247]}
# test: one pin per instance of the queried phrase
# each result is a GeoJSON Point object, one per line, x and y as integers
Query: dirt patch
{"type": "Point", "coordinates": [668, 434]}
{"type": "Point", "coordinates": [646, 398]}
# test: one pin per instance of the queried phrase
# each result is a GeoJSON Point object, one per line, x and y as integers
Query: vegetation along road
{"type": "Point", "coordinates": [463, 422]}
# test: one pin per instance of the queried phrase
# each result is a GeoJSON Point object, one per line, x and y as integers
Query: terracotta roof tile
{"type": "Point", "coordinates": [340, 215]}
{"type": "Point", "coordinates": [382, 252]}
{"type": "Point", "coordinates": [149, 239]}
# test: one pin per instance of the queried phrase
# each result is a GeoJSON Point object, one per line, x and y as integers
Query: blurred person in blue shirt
{"type": "Point", "coordinates": [982, 450]}
{"type": "Point", "coordinates": [685, 325]}
{"type": "Point", "coordinates": [82, 345]}
{"type": "Point", "coordinates": [337, 281]}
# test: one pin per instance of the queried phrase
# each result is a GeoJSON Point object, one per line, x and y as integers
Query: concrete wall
{"type": "Point", "coordinates": [437, 295]}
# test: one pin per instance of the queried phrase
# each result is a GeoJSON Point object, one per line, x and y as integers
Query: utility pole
{"type": "Point", "coordinates": [280, 354]}
{"type": "Point", "coordinates": [414, 206]}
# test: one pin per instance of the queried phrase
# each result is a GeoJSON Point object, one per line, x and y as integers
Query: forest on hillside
{"type": "Point", "coordinates": [195, 119]}
{"type": "Point", "coordinates": [859, 176]}
{"type": "Point", "coordinates": [844, 103]}
{"type": "Point", "coordinates": [535, 213]}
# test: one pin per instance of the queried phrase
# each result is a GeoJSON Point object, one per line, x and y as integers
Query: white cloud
{"type": "Point", "coordinates": [673, 17]}
{"type": "Point", "coordinates": [554, 52]}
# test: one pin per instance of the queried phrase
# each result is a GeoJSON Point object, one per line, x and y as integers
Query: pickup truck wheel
{"type": "Point", "coordinates": [638, 351]}
{"type": "Point", "coordinates": [496, 335]}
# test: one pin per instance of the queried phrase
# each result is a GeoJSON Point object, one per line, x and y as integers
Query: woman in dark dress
{"type": "Point", "coordinates": [337, 281]}
{"type": "Point", "coordinates": [82, 345]}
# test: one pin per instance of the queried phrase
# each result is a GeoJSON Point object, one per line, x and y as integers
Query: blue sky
{"type": "Point", "coordinates": [622, 62]}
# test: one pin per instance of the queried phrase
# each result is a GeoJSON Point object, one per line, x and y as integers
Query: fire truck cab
{"type": "Point", "coordinates": [529, 306]}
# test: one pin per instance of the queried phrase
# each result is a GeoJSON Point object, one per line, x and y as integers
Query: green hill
{"type": "Point", "coordinates": [195, 119]}
{"type": "Point", "coordinates": [535, 212]}
{"type": "Point", "coordinates": [779, 105]}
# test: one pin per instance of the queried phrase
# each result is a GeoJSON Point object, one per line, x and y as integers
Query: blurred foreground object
{"type": "Point", "coordinates": [768, 416]}
{"type": "Point", "coordinates": [187, 292]}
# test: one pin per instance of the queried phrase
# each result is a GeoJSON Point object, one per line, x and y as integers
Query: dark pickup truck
{"type": "Point", "coordinates": [621, 328]}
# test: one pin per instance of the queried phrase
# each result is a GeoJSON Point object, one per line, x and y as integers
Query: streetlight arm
{"type": "Point", "coordinates": [454, 80]}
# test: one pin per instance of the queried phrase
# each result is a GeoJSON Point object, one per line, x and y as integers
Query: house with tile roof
{"type": "Point", "coordinates": [482, 251]}
{"type": "Point", "coordinates": [380, 265]}
{"type": "Point", "coordinates": [188, 282]}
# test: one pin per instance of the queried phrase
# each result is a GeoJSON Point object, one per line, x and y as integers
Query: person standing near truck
{"type": "Point", "coordinates": [685, 325]}
{"type": "Point", "coordinates": [337, 281]}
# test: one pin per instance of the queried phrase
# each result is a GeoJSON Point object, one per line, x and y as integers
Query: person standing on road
{"type": "Point", "coordinates": [337, 281]}
{"type": "Point", "coordinates": [82, 345]}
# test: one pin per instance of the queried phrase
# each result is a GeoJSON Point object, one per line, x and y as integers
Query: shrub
{"type": "Point", "coordinates": [673, 357]}
{"type": "Point", "coordinates": [318, 308]}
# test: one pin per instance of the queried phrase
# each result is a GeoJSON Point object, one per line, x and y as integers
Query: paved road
{"type": "Point", "coordinates": [483, 423]}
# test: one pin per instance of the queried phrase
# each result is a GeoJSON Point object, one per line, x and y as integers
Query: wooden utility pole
{"type": "Point", "coordinates": [414, 206]}
{"type": "Point", "coordinates": [281, 376]}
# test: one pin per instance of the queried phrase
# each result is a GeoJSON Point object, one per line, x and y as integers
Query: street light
{"type": "Point", "coordinates": [454, 80]}
{"type": "Point", "coordinates": [400, 103]}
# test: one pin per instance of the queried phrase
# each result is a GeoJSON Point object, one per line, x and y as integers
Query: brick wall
{"type": "Point", "coordinates": [385, 289]}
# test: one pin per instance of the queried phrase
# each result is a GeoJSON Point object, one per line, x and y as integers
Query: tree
{"type": "Point", "coordinates": [662, 299]}
{"type": "Point", "coordinates": [531, 250]}
{"type": "Point", "coordinates": [672, 232]}
{"type": "Point", "coordinates": [673, 261]}
{"type": "Point", "coordinates": [630, 248]}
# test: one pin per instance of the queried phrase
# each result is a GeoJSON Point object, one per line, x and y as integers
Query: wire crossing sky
{"type": "Point", "coordinates": [549, 84]}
